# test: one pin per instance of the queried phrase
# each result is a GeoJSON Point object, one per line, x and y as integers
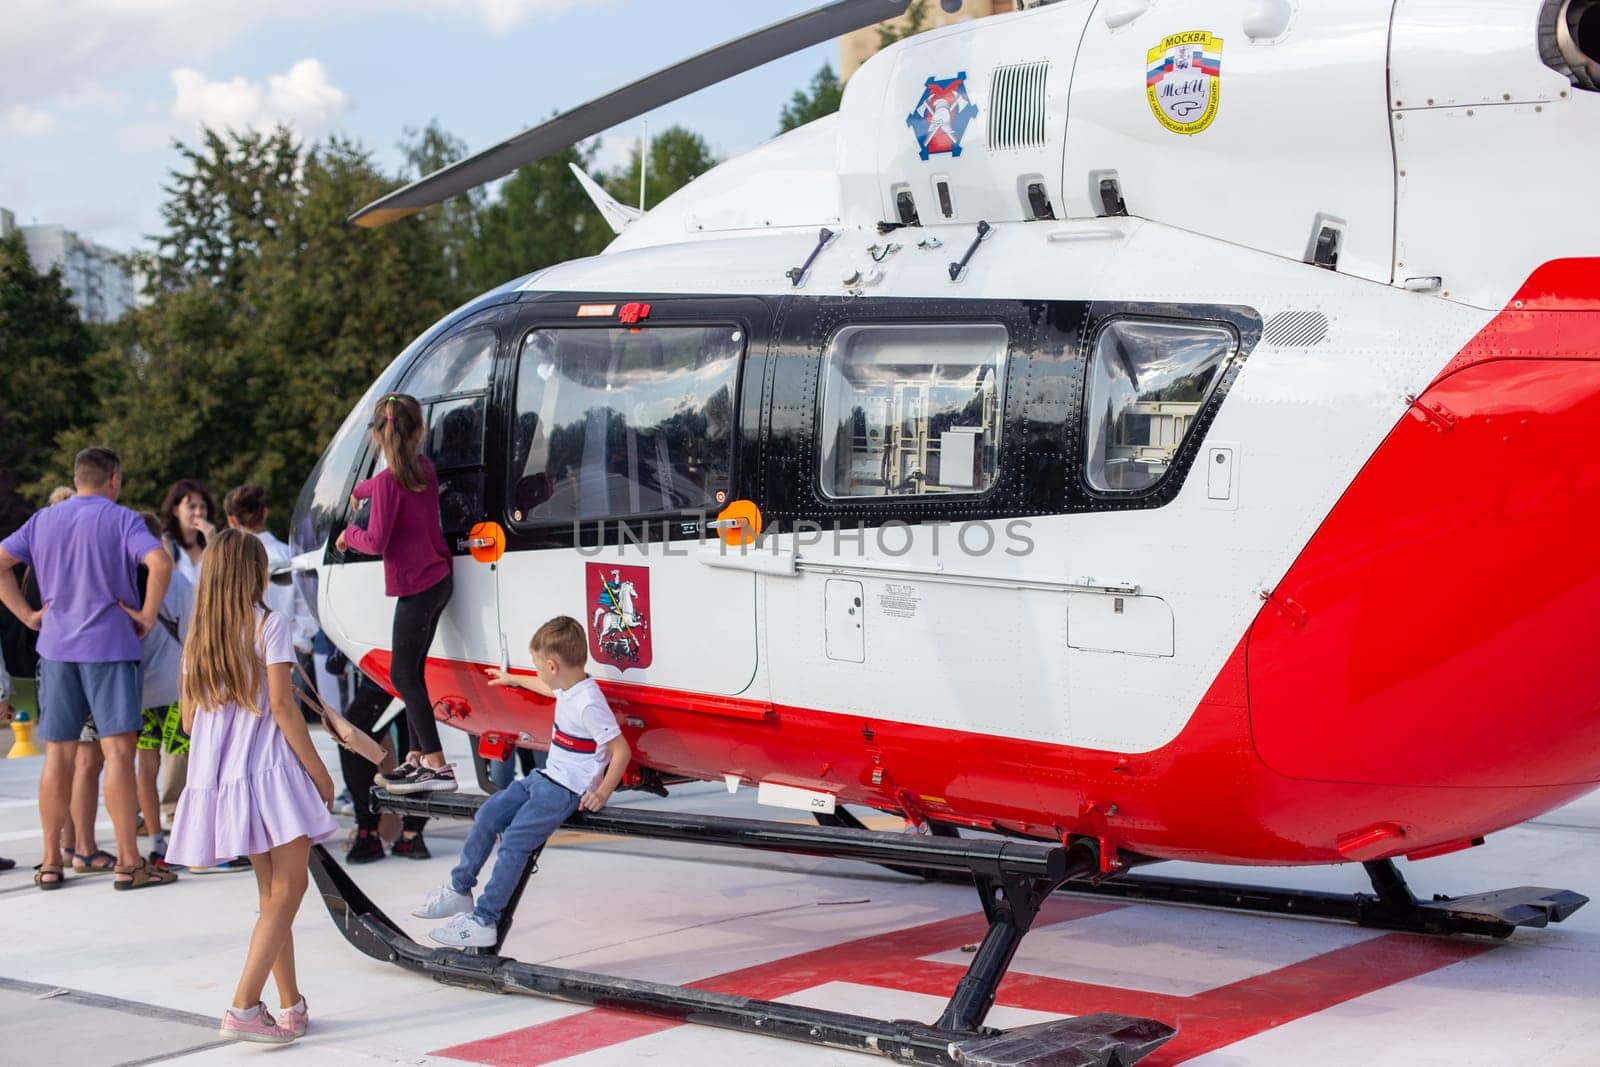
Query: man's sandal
{"type": "Point", "coordinates": [97, 862]}
{"type": "Point", "coordinates": [48, 876]}
{"type": "Point", "coordinates": [141, 875]}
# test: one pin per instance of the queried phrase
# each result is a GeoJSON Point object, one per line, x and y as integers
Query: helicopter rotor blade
{"type": "Point", "coordinates": [652, 91]}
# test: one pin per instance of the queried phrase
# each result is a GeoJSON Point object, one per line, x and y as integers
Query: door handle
{"type": "Point", "coordinates": [486, 541]}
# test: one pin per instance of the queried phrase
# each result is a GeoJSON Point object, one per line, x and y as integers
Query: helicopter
{"type": "Point", "coordinates": [1147, 431]}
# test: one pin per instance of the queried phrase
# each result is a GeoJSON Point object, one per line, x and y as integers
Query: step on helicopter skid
{"type": "Point", "coordinates": [1254, 374]}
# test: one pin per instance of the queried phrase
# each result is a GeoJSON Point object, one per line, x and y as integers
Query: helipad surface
{"type": "Point", "coordinates": [145, 974]}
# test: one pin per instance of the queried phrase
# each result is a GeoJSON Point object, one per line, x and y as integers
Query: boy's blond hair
{"type": "Point", "coordinates": [563, 638]}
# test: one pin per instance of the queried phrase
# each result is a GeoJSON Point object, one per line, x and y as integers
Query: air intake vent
{"type": "Point", "coordinates": [1016, 106]}
{"type": "Point", "coordinates": [1296, 329]}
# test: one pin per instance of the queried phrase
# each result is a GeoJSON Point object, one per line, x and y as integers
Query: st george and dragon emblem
{"type": "Point", "coordinates": [619, 615]}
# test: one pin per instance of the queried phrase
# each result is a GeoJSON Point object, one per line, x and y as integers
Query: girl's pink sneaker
{"type": "Point", "coordinates": [295, 1019]}
{"type": "Point", "coordinates": [256, 1024]}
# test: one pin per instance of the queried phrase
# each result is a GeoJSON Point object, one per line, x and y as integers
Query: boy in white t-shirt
{"type": "Point", "coordinates": [587, 757]}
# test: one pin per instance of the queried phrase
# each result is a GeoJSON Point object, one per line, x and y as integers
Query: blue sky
{"type": "Point", "coordinates": [92, 92]}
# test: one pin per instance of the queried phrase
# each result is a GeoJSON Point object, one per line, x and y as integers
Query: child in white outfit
{"type": "Point", "coordinates": [588, 755]}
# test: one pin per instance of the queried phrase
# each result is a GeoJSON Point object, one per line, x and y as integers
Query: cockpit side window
{"type": "Point", "coordinates": [451, 382]}
{"type": "Point", "coordinates": [912, 410]}
{"type": "Point", "coordinates": [623, 422]}
{"type": "Point", "coordinates": [1148, 380]}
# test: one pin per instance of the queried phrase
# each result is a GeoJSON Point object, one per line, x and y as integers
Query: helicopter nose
{"type": "Point", "coordinates": [1442, 628]}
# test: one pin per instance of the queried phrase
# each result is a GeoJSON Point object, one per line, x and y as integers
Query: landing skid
{"type": "Point", "coordinates": [1013, 878]}
{"type": "Point", "coordinates": [1391, 906]}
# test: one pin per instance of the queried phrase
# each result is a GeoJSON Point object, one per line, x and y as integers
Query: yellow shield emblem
{"type": "Point", "coordinates": [1183, 79]}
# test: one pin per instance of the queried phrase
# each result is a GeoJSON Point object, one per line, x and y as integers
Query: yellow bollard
{"type": "Point", "coordinates": [22, 737]}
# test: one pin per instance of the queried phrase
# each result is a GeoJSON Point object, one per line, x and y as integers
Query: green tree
{"type": "Point", "coordinates": [808, 105]}
{"type": "Point", "coordinates": [44, 376]}
{"type": "Point", "coordinates": [225, 199]}
{"type": "Point", "coordinates": [269, 318]}
{"type": "Point", "coordinates": [913, 22]}
{"type": "Point", "coordinates": [677, 157]}
{"type": "Point", "coordinates": [541, 217]}
{"type": "Point", "coordinates": [455, 221]}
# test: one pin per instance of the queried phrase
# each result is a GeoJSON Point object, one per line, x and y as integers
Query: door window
{"type": "Point", "coordinates": [451, 383]}
{"type": "Point", "coordinates": [623, 422]}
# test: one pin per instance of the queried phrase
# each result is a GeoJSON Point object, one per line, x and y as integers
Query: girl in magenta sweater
{"type": "Point", "coordinates": [404, 529]}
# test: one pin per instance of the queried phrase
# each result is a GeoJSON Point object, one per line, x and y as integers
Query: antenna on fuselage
{"type": "Point", "coordinates": [644, 161]}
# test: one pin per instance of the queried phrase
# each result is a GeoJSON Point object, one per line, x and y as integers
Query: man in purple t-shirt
{"type": "Point", "coordinates": [86, 552]}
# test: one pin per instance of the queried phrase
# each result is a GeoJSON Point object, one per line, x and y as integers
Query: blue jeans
{"type": "Point", "coordinates": [523, 815]}
{"type": "Point", "coordinates": [502, 771]}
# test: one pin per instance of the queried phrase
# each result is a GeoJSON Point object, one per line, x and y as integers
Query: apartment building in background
{"type": "Point", "coordinates": [856, 48]}
{"type": "Point", "coordinates": [101, 285]}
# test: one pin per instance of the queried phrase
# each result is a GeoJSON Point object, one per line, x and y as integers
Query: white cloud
{"type": "Point", "coordinates": [25, 121]}
{"type": "Point", "coordinates": [304, 97]}
{"type": "Point", "coordinates": [502, 16]}
{"type": "Point", "coordinates": [50, 47]}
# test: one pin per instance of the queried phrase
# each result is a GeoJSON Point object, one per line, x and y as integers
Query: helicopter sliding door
{"type": "Point", "coordinates": [622, 444]}
{"type": "Point", "coordinates": [451, 381]}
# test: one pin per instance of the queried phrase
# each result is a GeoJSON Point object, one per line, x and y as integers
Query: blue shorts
{"type": "Point", "coordinates": [69, 692]}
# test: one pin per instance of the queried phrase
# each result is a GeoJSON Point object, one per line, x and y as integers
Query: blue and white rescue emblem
{"type": "Point", "coordinates": [941, 117]}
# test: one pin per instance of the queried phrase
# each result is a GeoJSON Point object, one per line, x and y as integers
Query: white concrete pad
{"type": "Point", "coordinates": [1170, 950]}
{"type": "Point", "coordinates": [689, 914]}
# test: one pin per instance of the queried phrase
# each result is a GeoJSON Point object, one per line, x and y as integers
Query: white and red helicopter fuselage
{"type": "Point", "coordinates": [1355, 612]}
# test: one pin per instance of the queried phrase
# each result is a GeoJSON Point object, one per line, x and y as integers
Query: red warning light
{"type": "Point", "coordinates": [632, 313]}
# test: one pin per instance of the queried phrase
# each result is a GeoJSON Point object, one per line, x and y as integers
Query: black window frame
{"type": "Point", "coordinates": [1163, 487]}
{"type": "Point", "coordinates": [529, 530]}
{"type": "Point", "coordinates": [1002, 387]}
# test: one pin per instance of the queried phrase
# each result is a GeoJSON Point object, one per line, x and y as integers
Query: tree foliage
{"type": "Point", "coordinates": [913, 22]}
{"type": "Point", "coordinates": [542, 216]}
{"type": "Point", "coordinates": [269, 318]}
{"type": "Point", "coordinates": [45, 375]}
{"type": "Point", "coordinates": [677, 157]}
{"type": "Point", "coordinates": [266, 315]}
{"type": "Point", "coordinates": [456, 221]}
{"type": "Point", "coordinates": [819, 99]}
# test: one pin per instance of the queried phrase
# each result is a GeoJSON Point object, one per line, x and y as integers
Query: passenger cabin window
{"type": "Point", "coordinates": [912, 410]}
{"type": "Point", "coordinates": [451, 382]}
{"type": "Point", "coordinates": [1147, 383]}
{"type": "Point", "coordinates": [621, 422]}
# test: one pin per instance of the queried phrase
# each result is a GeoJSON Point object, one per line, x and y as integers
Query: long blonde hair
{"type": "Point", "coordinates": [220, 664]}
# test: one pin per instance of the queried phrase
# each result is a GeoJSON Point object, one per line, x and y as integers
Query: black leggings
{"type": "Point", "coordinates": [416, 620]}
{"type": "Point", "coordinates": [369, 703]}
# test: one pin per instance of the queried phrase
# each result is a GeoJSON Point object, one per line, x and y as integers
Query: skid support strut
{"type": "Point", "coordinates": [1014, 878]}
{"type": "Point", "coordinates": [1011, 904]}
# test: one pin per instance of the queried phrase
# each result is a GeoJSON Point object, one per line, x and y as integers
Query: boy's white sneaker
{"type": "Point", "coordinates": [443, 903]}
{"type": "Point", "coordinates": [463, 931]}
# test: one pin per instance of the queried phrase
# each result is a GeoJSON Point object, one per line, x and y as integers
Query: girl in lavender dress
{"type": "Point", "coordinates": [256, 785]}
